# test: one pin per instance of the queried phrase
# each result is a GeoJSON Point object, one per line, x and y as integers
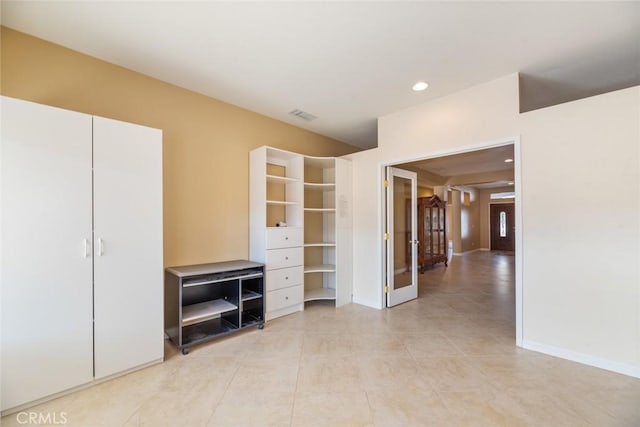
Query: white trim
{"type": "Point", "coordinates": [382, 224]}
{"type": "Point", "coordinates": [515, 141]}
{"type": "Point", "coordinates": [519, 256]}
{"type": "Point", "coordinates": [585, 359]}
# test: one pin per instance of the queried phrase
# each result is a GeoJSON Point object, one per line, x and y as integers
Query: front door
{"type": "Point", "coordinates": [402, 263]}
{"type": "Point", "coordinates": [503, 227]}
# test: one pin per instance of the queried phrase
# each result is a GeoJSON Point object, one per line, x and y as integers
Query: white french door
{"type": "Point", "coordinates": [401, 247]}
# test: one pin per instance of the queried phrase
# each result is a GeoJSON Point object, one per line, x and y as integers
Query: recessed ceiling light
{"type": "Point", "coordinates": [508, 160]}
{"type": "Point", "coordinates": [420, 86]}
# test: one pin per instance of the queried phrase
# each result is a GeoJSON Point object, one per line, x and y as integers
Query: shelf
{"type": "Point", "coordinates": [205, 331]}
{"type": "Point", "coordinates": [196, 313]}
{"type": "Point", "coordinates": [320, 268]}
{"type": "Point", "coordinates": [319, 294]}
{"type": "Point", "coordinates": [319, 209]}
{"type": "Point", "coordinates": [281, 179]}
{"type": "Point", "coordinates": [282, 203]}
{"type": "Point", "coordinates": [319, 245]}
{"type": "Point", "coordinates": [319, 186]}
{"type": "Point", "coordinates": [249, 295]}
{"type": "Point", "coordinates": [320, 162]}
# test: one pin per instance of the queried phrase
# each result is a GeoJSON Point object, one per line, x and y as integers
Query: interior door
{"type": "Point", "coordinates": [128, 276]}
{"type": "Point", "coordinates": [47, 319]}
{"type": "Point", "coordinates": [401, 247]}
{"type": "Point", "coordinates": [503, 227]}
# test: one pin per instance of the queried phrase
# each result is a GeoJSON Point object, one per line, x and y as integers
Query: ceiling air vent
{"type": "Point", "coordinates": [303, 115]}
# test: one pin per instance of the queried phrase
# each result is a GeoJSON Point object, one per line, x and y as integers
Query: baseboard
{"type": "Point", "coordinates": [22, 407]}
{"type": "Point", "coordinates": [468, 252]}
{"type": "Point", "coordinates": [585, 359]}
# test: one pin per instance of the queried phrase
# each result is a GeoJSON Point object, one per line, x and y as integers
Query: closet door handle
{"type": "Point", "coordinates": [100, 247]}
{"type": "Point", "coordinates": [85, 243]}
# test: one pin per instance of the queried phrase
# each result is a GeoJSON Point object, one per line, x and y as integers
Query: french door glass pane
{"type": "Point", "coordinates": [402, 232]}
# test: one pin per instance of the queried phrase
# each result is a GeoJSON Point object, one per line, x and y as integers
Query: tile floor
{"type": "Point", "coordinates": [445, 359]}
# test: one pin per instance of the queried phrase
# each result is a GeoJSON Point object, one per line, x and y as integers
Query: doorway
{"type": "Point", "coordinates": [502, 227]}
{"type": "Point", "coordinates": [467, 160]}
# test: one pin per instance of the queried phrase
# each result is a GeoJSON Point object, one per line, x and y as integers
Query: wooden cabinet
{"type": "Point", "coordinates": [432, 235]}
{"type": "Point", "coordinates": [300, 227]}
{"type": "Point", "coordinates": [81, 257]}
{"type": "Point", "coordinates": [207, 301]}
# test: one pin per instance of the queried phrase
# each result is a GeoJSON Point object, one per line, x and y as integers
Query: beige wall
{"type": "Point", "coordinates": [581, 257]}
{"type": "Point", "coordinates": [206, 142]}
{"type": "Point", "coordinates": [424, 191]}
{"type": "Point", "coordinates": [470, 221]}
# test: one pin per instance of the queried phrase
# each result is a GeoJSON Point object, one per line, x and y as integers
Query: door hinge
{"type": "Point", "coordinates": [386, 289]}
{"type": "Point", "coordinates": [386, 183]}
{"type": "Point", "coordinates": [386, 236]}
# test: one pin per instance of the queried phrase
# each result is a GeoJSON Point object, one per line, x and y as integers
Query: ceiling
{"type": "Point", "coordinates": [473, 162]}
{"type": "Point", "coordinates": [345, 62]}
{"type": "Point", "coordinates": [478, 169]}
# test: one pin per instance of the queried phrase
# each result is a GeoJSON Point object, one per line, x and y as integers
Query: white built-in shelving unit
{"type": "Point", "coordinates": [308, 256]}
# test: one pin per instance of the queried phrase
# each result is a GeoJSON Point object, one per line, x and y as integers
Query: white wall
{"type": "Point", "coordinates": [579, 194]}
{"type": "Point", "coordinates": [580, 180]}
{"type": "Point", "coordinates": [482, 113]}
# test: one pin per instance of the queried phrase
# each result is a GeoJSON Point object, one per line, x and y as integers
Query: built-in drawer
{"type": "Point", "coordinates": [283, 278]}
{"type": "Point", "coordinates": [283, 237]}
{"type": "Point", "coordinates": [283, 258]}
{"type": "Point", "coordinates": [285, 297]}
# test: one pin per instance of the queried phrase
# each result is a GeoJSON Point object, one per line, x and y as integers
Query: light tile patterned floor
{"type": "Point", "coordinates": [446, 359]}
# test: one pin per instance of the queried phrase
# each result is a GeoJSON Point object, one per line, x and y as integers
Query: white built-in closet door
{"type": "Point", "coordinates": [46, 266]}
{"type": "Point", "coordinates": [128, 276]}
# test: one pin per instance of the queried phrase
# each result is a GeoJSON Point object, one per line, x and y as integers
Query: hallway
{"type": "Point", "coordinates": [477, 290]}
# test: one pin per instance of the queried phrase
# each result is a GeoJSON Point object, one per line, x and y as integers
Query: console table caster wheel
{"type": "Point", "coordinates": [185, 351]}
{"type": "Point", "coordinates": [261, 326]}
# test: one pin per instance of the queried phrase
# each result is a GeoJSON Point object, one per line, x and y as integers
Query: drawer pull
{"type": "Point", "coordinates": [286, 238]}
{"type": "Point", "coordinates": [287, 258]}
{"type": "Point", "coordinates": [286, 278]}
{"type": "Point", "coordinates": [286, 297]}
